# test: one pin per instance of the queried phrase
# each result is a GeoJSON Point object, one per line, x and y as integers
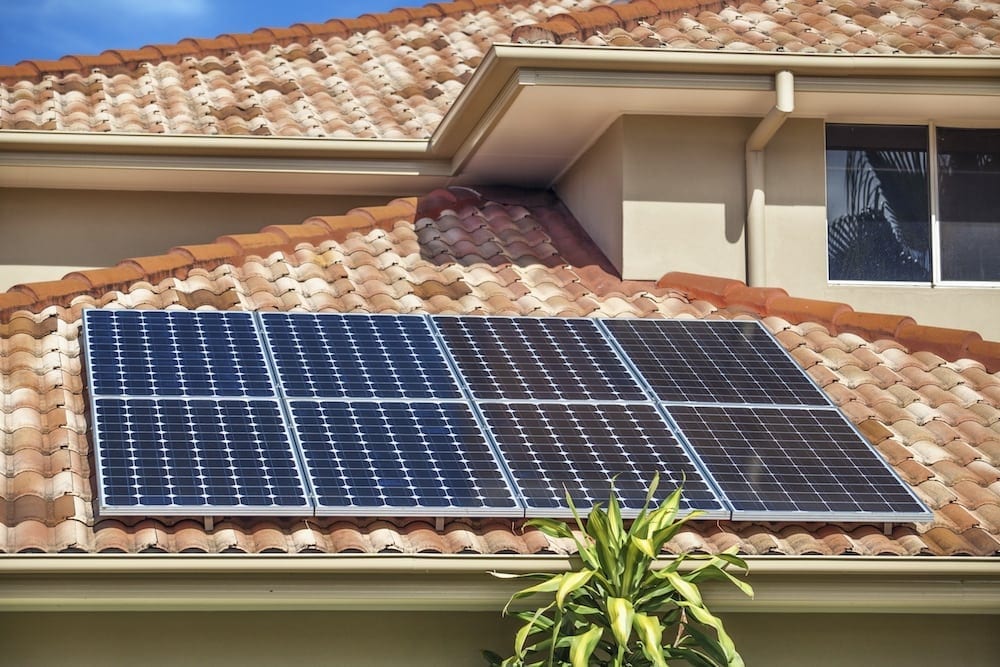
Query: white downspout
{"type": "Point", "coordinates": [784, 104]}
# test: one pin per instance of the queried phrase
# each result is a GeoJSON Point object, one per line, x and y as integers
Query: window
{"type": "Point", "coordinates": [885, 221]}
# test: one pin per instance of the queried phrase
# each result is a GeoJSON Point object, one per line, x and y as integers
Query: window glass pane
{"type": "Point", "coordinates": [877, 206]}
{"type": "Point", "coordinates": [969, 202]}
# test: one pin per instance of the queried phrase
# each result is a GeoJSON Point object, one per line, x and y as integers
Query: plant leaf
{"type": "Point", "coordinates": [550, 527]}
{"type": "Point", "coordinates": [582, 646]}
{"type": "Point", "coordinates": [650, 632]}
{"type": "Point", "coordinates": [615, 527]}
{"type": "Point", "coordinates": [571, 582]}
{"type": "Point", "coordinates": [705, 617]}
{"type": "Point", "coordinates": [620, 615]}
{"type": "Point", "coordinates": [685, 588]}
{"type": "Point", "coordinates": [644, 545]}
{"type": "Point", "coordinates": [548, 586]}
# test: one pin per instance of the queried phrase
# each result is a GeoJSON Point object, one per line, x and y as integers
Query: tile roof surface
{"type": "Point", "coordinates": [395, 75]}
{"type": "Point", "coordinates": [928, 399]}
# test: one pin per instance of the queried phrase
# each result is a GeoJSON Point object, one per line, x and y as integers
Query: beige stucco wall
{"type": "Point", "coordinates": [668, 193]}
{"type": "Point", "coordinates": [685, 201]}
{"type": "Point", "coordinates": [664, 193]}
{"type": "Point", "coordinates": [437, 639]}
{"type": "Point", "coordinates": [796, 244]}
{"type": "Point", "coordinates": [46, 233]}
{"type": "Point", "coordinates": [592, 189]}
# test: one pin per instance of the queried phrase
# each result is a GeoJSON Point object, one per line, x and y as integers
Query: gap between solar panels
{"type": "Point", "coordinates": [208, 413]}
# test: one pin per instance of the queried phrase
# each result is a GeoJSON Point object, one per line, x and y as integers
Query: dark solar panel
{"type": "Point", "coordinates": [553, 448]}
{"type": "Point", "coordinates": [195, 456]}
{"type": "Point", "coordinates": [536, 359]}
{"type": "Point", "coordinates": [187, 419]}
{"type": "Point", "coordinates": [175, 353]}
{"type": "Point", "coordinates": [702, 361]}
{"type": "Point", "coordinates": [400, 458]}
{"type": "Point", "coordinates": [357, 356]}
{"type": "Point", "coordinates": [774, 463]}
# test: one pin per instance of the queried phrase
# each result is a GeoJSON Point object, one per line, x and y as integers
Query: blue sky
{"type": "Point", "coordinates": [49, 29]}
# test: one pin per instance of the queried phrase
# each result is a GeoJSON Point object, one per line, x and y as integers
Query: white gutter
{"type": "Point", "coordinates": [756, 228]}
{"type": "Point", "coordinates": [207, 145]}
{"type": "Point", "coordinates": [67, 582]}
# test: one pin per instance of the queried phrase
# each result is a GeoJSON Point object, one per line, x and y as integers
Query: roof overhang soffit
{"type": "Point", "coordinates": [527, 114]}
{"type": "Point", "coordinates": [435, 582]}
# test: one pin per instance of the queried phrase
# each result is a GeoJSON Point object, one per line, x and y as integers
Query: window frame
{"type": "Point", "coordinates": [934, 215]}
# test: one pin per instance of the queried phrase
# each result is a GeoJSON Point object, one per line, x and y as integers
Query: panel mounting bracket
{"type": "Point", "coordinates": [439, 524]}
{"type": "Point", "coordinates": [209, 523]}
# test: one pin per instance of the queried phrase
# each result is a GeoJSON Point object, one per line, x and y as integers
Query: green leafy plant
{"type": "Point", "coordinates": [622, 606]}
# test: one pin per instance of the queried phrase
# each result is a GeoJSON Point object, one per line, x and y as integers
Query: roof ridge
{"type": "Point", "coordinates": [838, 317]}
{"type": "Point", "coordinates": [130, 59]}
{"type": "Point", "coordinates": [581, 25]}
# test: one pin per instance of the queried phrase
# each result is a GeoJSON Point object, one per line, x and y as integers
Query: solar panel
{"type": "Point", "coordinates": [453, 415]}
{"type": "Point", "coordinates": [553, 448]}
{"type": "Point", "coordinates": [185, 416]}
{"type": "Point", "coordinates": [536, 359]}
{"type": "Point", "coordinates": [357, 356]}
{"type": "Point", "coordinates": [402, 458]}
{"type": "Point", "coordinates": [174, 353]}
{"type": "Point", "coordinates": [713, 361]}
{"type": "Point", "coordinates": [789, 463]}
{"type": "Point", "coordinates": [199, 456]}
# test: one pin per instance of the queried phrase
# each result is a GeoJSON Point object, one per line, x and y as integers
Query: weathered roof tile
{"type": "Point", "coordinates": [933, 419]}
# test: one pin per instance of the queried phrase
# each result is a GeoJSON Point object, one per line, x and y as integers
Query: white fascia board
{"type": "Point", "coordinates": [65, 582]}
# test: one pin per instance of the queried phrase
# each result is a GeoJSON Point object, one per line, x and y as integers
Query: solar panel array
{"type": "Point", "coordinates": [210, 413]}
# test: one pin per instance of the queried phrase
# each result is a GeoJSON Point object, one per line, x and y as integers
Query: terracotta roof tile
{"type": "Point", "coordinates": [935, 420]}
{"type": "Point", "coordinates": [395, 74]}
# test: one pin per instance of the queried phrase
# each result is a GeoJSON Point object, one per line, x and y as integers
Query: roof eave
{"type": "Point", "coordinates": [386, 166]}
{"type": "Point", "coordinates": [66, 582]}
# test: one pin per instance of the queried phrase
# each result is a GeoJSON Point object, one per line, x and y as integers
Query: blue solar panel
{"type": "Point", "coordinates": [445, 415]}
{"type": "Point", "coordinates": [401, 458]}
{"type": "Point", "coordinates": [553, 448]}
{"type": "Point", "coordinates": [358, 356]}
{"type": "Point", "coordinates": [504, 358]}
{"type": "Point", "coordinates": [794, 463]}
{"type": "Point", "coordinates": [195, 456]}
{"type": "Point", "coordinates": [175, 353]}
{"type": "Point", "coordinates": [713, 361]}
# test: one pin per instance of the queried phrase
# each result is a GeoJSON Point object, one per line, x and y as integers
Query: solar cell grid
{"type": "Point", "coordinates": [188, 421]}
{"type": "Point", "coordinates": [536, 359]}
{"type": "Point", "coordinates": [175, 353]}
{"type": "Point", "coordinates": [358, 356]}
{"type": "Point", "coordinates": [553, 448]}
{"type": "Point", "coordinates": [783, 462]}
{"type": "Point", "coordinates": [713, 362]}
{"type": "Point", "coordinates": [410, 458]}
{"type": "Point", "coordinates": [171, 455]}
